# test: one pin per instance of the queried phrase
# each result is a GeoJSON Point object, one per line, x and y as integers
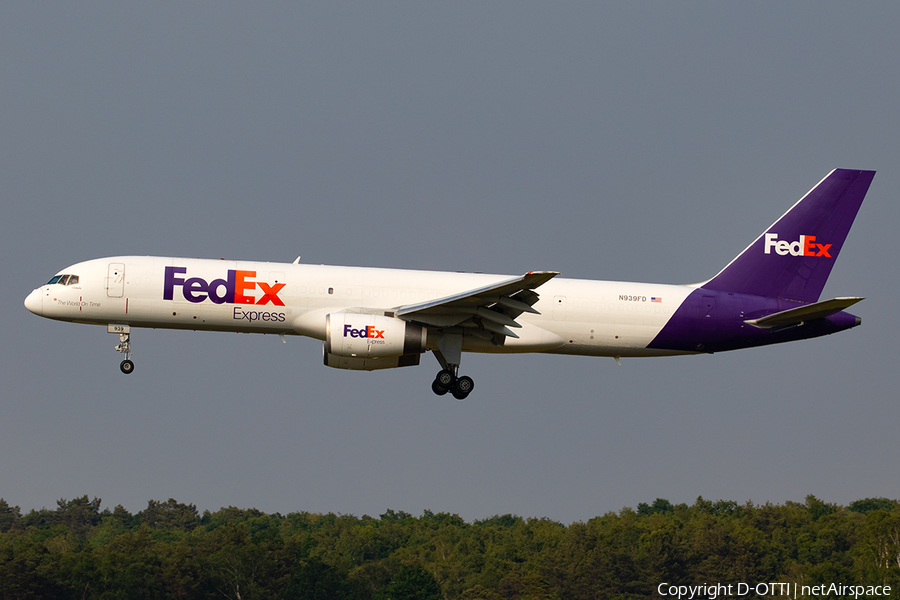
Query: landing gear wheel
{"type": "Point", "coordinates": [438, 389]}
{"type": "Point", "coordinates": [445, 379]}
{"type": "Point", "coordinates": [126, 366]}
{"type": "Point", "coordinates": [463, 387]}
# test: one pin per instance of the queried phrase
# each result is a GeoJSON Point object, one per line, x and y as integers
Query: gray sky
{"type": "Point", "coordinates": [641, 141]}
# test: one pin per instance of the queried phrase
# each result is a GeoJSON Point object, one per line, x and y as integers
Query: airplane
{"type": "Point", "coordinates": [378, 318]}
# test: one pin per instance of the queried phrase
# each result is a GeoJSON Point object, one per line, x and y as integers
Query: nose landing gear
{"type": "Point", "coordinates": [124, 346]}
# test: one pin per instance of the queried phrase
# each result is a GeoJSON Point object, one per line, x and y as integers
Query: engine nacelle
{"type": "Point", "coordinates": [368, 342]}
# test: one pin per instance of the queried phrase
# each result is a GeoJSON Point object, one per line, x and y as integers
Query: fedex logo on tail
{"type": "Point", "coordinates": [805, 246]}
{"type": "Point", "coordinates": [234, 289]}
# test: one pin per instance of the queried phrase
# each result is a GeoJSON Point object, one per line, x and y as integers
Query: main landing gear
{"type": "Point", "coordinates": [124, 346]}
{"type": "Point", "coordinates": [446, 381]}
{"type": "Point", "coordinates": [448, 352]}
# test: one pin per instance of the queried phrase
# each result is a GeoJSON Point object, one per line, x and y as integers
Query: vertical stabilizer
{"type": "Point", "coordinates": [793, 258]}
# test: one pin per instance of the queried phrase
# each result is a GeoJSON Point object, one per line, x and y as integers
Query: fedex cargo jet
{"type": "Point", "coordinates": [371, 318]}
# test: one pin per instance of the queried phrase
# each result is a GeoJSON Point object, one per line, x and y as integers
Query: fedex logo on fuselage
{"type": "Point", "coordinates": [234, 289]}
{"type": "Point", "coordinates": [805, 246]}
{"type": "Point", "coordinates": [365, 332]}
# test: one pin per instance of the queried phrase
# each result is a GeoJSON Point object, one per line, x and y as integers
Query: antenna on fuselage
{"type": "Point", "coordinates": [296, 261]}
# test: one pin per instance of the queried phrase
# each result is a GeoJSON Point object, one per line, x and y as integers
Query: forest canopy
{"type": "Point", "coordinates": [171, 550]}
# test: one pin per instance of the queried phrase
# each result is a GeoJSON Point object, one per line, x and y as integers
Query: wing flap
{"type": "Point", "coordinates": [493, 308]}
{"type": "Point", "coordinates": [478, 296]}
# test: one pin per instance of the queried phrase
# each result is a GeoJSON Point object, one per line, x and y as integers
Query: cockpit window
{"type": "Point", "coordinates": [64, 280]}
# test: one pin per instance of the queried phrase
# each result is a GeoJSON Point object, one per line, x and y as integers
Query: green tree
{"type": "Point", "coordinates": [817, 508]}
{"type": "Point", "coordinates": [9, 516]}
{"type": "Point", "coordinates": [879, 550]}
{"type": "Point", "coordinates": [238, 568]}
{"type": "Point", "coordinates": [27, 570]}
{"type": "Point", "coordinates": [660, 505]}
{"type": "Point", "coordinates": [479, 592]}
{"type": "Point", "coordinates": [410, 583]}
{"type": "Point", "coordinates": [314, 580]}
{"type": "Point", "coordinates": [79, 515]}
{"type": "Point", "coordinates": [122, 517]}
{"type": "Point", "coordinates": [129, 567]}
{"type": "Point", "coordinates": [867, 505]}
{"type": "Point", "coordinates": [169, 515]}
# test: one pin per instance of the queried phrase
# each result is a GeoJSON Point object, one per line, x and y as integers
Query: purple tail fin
{"type": "Point", "coordinates": [793, 258]}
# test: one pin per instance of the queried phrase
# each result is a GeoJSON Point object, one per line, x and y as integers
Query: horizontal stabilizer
{"type": "Point", "coordinates": [801, 314]}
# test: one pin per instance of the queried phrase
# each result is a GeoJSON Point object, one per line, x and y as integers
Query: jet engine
{"type": "Point", "coordinates": [367, 342]}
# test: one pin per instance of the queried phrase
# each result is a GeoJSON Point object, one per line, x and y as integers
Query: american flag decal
{"type": "Point", "coordinates": [655, 299]}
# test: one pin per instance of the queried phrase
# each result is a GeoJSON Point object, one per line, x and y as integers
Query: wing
{"type": "Point", "coordinates": [486, 312]}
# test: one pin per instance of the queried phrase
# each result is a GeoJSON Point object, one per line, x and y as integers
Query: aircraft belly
{"type": "Point", "coordinates": [608, 339]}
{"type": "Point", "coordinates": [532, 338]}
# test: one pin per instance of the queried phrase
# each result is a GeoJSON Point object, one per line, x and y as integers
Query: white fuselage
{"type": "Point", "coordinates": [595, 318]}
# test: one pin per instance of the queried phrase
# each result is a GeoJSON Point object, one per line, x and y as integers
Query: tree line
{"type": "Point", "coordinates": [171, 550]}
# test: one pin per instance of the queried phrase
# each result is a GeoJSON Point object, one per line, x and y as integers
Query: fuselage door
{"type": "Point", "coordinates": [115, 280]}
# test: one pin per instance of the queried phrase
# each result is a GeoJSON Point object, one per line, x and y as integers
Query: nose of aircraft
{"type": "Point", "coordinates": [35, 302]}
